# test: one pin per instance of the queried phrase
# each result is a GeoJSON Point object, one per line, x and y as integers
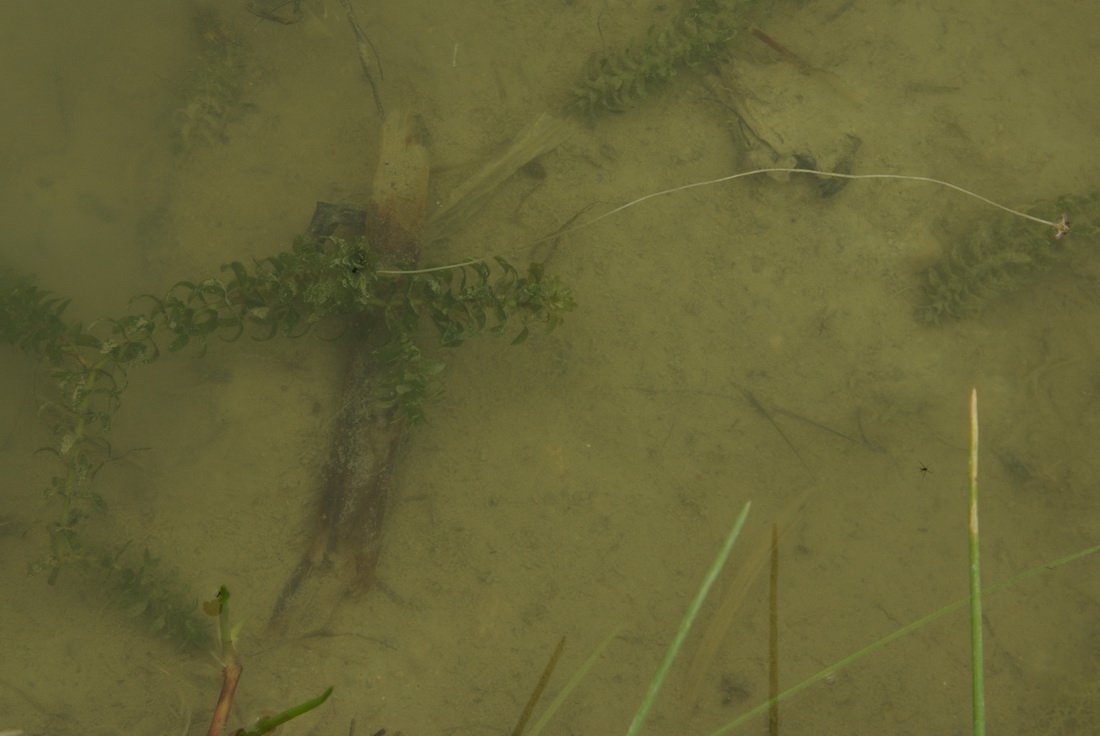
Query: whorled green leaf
{"type": "Point", "coordinates": [290, 293]}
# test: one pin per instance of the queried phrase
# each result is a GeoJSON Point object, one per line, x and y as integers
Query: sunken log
{"type": "Point", "coordinates": [345, 539]}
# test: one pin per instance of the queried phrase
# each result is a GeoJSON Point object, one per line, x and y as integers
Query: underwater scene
{"type": "Point", "coordinates": [560, 367]}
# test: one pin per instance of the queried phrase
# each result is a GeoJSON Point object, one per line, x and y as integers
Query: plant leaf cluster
{"type": "Point", "coordinates": [329, 281]}
{"type": "Point", "coordinates": [213, 88]}
{"type": "Point", "coordinates": [625, 77]}
{"type": "Point", "coordinates": [1001, 258]}
{"type": "Point", "coordinates": [147, 591]}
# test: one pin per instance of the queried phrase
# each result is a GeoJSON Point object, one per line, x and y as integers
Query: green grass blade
{"type": "Point", "coordinates": [685, 625]}
{"type": "Point", "coordinates": [791, 692]}
{"type": "Point", "coordinates": [976, 656]}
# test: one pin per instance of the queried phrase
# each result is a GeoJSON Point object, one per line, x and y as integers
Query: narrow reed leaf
{"type": "Point", "coordinates": [976, 655]}
{"type": "Point", "coordinates": [685, 625]}
{"type": "Point", "coordinates": [908, 629]}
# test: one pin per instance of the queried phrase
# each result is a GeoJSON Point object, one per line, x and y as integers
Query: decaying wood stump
{"type": "Point", "coordinates": [346, 537]}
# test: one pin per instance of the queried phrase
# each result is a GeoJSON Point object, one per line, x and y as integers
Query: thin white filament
{"type": "Point", "coordinates": [1060, 226]}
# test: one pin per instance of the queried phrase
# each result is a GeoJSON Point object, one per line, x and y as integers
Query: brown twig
{"type": "Point", "coordinates": [231, 675]}
{"type": "Point", "coordinates": [537, 692]}
{"type": "Point", "coordinates": [231, 667]}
